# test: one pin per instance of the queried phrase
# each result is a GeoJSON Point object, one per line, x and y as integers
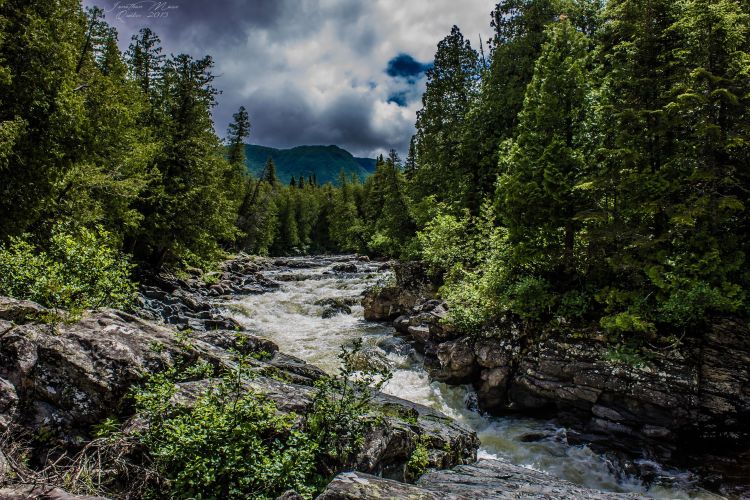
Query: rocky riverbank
{"type": "Point", "coordinates": [689, 405]}
{"type": "Point", "coordinates": [60, 379]}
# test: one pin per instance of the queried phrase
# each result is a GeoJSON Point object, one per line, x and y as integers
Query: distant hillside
{"type": "Point", "coordinates": [324, 161]}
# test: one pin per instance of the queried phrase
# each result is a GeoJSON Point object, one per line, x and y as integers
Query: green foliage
{"type": "Point", "coordinates": [336, 419]}
{"type": "Point", "coordinates": [232, 442]}
{"type": "Point", "coordinates": [77, 270]}
{"type": "Point", "coordinates": [418, 460]}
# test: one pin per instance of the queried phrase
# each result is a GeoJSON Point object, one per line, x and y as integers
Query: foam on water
{"type": "Point", "coordinates": [290, 318]}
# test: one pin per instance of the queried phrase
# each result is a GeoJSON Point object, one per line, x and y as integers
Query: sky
{"type": "Point", "coordinates": [343, 72]}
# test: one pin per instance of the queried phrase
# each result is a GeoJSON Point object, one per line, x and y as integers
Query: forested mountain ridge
{"type": "Point", "coordinates": [324, 163]}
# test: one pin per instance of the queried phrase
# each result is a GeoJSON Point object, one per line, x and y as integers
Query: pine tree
{"type": "Point", "coordinates": [451, 83]}
{"type": "Point", "coordinates": [538, 189]}
{"type": "Point", "coordinates": [238, 131]}
{"type": "Point", "coordinates": [145, 59]}
{"type": "Point", "coordinates": [269, 172]}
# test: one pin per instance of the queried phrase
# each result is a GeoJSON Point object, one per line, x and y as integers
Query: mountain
{"type": "Point", "coordinates": [324, 161]}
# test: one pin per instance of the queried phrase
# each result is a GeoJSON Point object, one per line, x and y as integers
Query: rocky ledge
{"type": "Point", "coordinates": [488, 479]}
{"type": "Point", "coordinates": [60, 379]}
{"type": "Point", "coordinates": [682, 405]}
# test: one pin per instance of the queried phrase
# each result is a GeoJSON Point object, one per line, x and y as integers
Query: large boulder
{"type": "Point", "coordinates": [487, 479]}
{"type": "Point", "coordinates": [65, 377]}
{"type": "Point", "coordinates": [58, 380]}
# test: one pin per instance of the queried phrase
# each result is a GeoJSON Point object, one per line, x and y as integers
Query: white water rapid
{"type": "Point", "coordinates": [290, 317]}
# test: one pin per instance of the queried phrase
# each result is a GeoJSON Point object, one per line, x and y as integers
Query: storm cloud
{"type": "Point", "coordinates": [344, 72]}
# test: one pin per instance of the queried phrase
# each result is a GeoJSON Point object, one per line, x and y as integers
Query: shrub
{"type": "Point", "coordinates": [77, 270]}
{"type": "Point", "coordinates": [235, 443]}
{"type": "Point", "coordinates": [232, 443]}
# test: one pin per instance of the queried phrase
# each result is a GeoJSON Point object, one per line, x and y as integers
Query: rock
{"type": "Point", "coordinates": [487, 479]}
{"type": "Point", "coordinates": [345, 268]}
{"type": "Point", "coordinates": [396, 426]}
{"type": "Point", "coordinates": [27, 492]}
{"type": "Point", "coordinates": [290, 495]}
{"type": "Point", "coordinates": [493, 479]}
{"type": "Point", "coordinates": [361, 486]}
{"type": "Point", "coordinates": [492, 390]}
{"type": "Point", "coordinates": [369, 359]}
{"type": "Point", "coordinates": [69, 376]}
{"type": "Point", "coordinates": [331, 311]}
{"type": "Point", "coordinates": [8, 405]}
{"type": "Point", "coordinates": [5, 469]}
{"type": "Point", "coordinates": [456, 362]}
{"type": "Point", "coordinates": [396, 345]}
{"type": "Point", "coordinates": [297, 370]}
{"type": "Point", "coordinates": [382, 304]}
{"type": "Point", "coordinates": [337, 301]}
{"type": "Point", "coordinates": [18, 311]}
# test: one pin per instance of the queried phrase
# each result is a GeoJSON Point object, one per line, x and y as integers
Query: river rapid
{"type": "Point", "coordinates": [291, 318]}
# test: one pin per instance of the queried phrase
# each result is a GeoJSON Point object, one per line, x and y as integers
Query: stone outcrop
{"type": "Point", "coordinates": [487, 479]}
{"type": "Point", "coordinates": [412, 286]}
{"type": "Point", "coordinates": [688, 400]}
{"type": "Point", "coordinates": [35, 492]}
{"type": "Point", "coordinates": [61, 379]}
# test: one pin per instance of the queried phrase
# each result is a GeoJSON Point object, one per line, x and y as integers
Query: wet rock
{"type": "Point", "coordinates": [493, 479]}
{"type": "Point", "coordinates": [337, 301]}
{"type": "Point", "coordinates": [487, 479]}
{"type": "Point", "coordinates": [345, 268]}
{"type": "Point", "coordinates": [492, 390]}
{"type": "Point", "coordinates": [189, 303]}
{"type": "Point", "coordinates": [382, 304]}
{"type": "Point", "coordinates": [396, 345]}
{"type": "Point", "coordinates": [369, 359]}
{"type": "Point", "coordinates": [453, 361]}
{"type": "Point", "coordinates": [331, 311]}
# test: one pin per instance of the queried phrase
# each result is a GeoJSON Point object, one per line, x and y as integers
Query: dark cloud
{"type": "Point", "coordinates": [308, 71]}
{"type": "Point", "coordinates": [405, 66]}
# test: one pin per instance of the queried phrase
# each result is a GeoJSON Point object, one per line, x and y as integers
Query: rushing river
{"type": "Point", "coordinates": [291, 318]}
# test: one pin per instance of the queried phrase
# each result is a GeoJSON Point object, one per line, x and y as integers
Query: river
{"type": "Point", "coordinates": [290, 317]}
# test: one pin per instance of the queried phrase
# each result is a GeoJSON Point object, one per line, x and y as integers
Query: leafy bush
{"type": "Point", "coordinates": [232, 443]}
{"type": "Point", "coordinates": [235, 443]}
{"type": "Point", "coordinates": [78, 269]}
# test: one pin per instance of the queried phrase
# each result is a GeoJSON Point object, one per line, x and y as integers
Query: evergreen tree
{"type": "Point", "coordinates": [145, 59]}
{"type": "Point", "coordinates": [451, 83]}
{"type": "Point", "coordinates": [269, 172]}
{"type": "Point", "coordinates": [238, 131]}
{"type": "Point", "coordinates": [539, 195]}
